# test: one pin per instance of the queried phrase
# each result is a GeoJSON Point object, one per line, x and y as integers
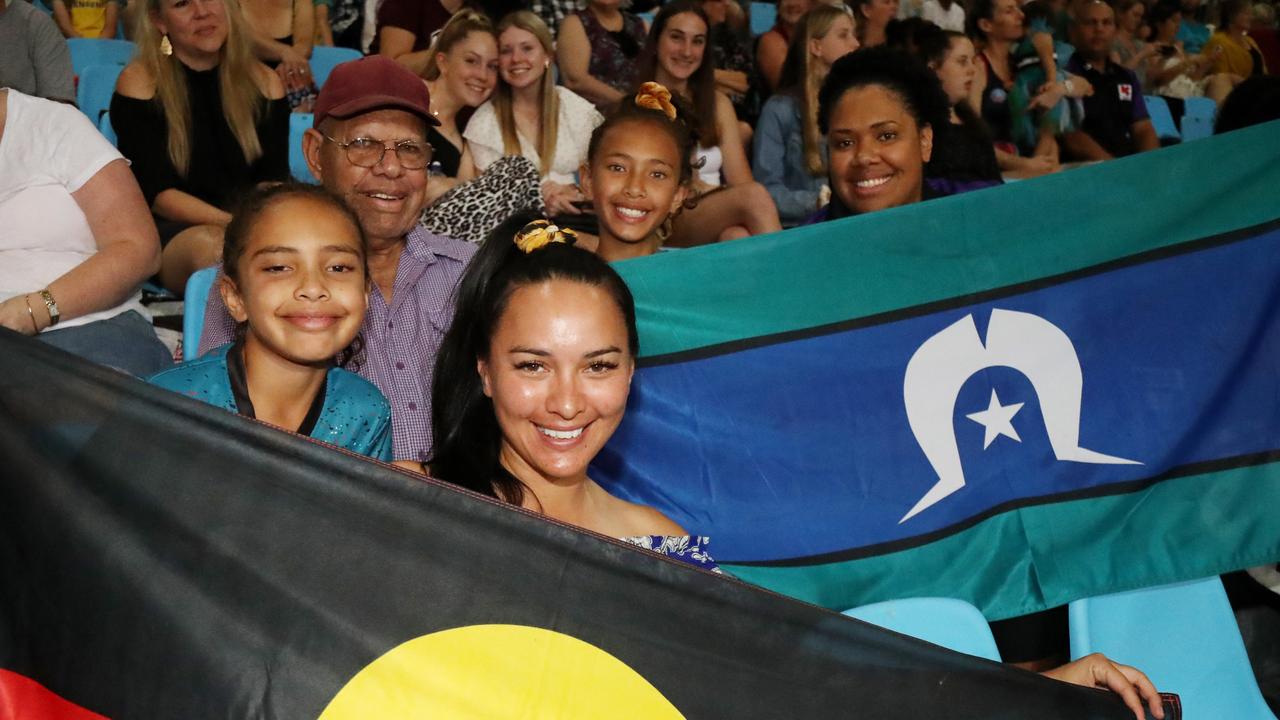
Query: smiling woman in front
{"type": "Point", "coordinates": [532, 380]}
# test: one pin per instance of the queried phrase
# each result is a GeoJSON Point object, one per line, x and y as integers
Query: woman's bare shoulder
{"type": "Point", "coordinates": [136, 82]}
{"type": "Point", "coordinates": [646, 520]}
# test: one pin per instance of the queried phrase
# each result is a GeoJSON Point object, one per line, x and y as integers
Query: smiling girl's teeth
{"type": "Point", "coordinates": [632, 213]}
{"type": "Point", "coordinates": [874, 182]}
{"type": "Point", "coordinates": [383, 196]}
{"type": "Point", "coordinates": [560, 434]}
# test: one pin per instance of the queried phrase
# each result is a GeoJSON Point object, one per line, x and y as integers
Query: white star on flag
{"type": "Point", "coordinates": [997, 419]}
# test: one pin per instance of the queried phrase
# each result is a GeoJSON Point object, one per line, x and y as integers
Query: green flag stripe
{"type": "Point", "coordinates": [953, 247]}
{"type": "Point", "coordinates": [1061, 552]}
{"type": "Point", "coordinates": [961, 301]}
{"type": "Point", "coordinates": [1122, 488]}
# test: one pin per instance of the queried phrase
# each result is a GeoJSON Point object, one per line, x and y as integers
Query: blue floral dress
{"type": "Point", "coordinates": [691, 549]}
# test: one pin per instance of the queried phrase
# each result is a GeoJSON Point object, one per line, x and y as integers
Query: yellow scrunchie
{"type": "Point", "coordinates": [540, 233]}
{"type": "Point", "coordinates": [653, 96]}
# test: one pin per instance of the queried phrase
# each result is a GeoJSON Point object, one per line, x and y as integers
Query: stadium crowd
{"type": "Point", "coordinates": [484, 162]}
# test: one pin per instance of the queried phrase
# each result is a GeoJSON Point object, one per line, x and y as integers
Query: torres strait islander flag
{"type": "Point", "coordinates": [1019, 396]}
{"type": "Point", "coordinates": [162, 558]}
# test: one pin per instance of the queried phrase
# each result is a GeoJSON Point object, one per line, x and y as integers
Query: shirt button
{"type": "Point", "coordinates": [413, 406]}
{"type": "Point", "coordinates": [399, 366]}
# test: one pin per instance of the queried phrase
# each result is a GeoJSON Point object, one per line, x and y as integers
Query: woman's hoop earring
{"type": "Point", "coordinates": [166, 47]}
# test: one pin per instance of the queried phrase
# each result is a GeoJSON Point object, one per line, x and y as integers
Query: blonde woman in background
{"type": "Point", "coordinates": [461, 73]}
{"type": "Point", "coordinates": [530, 116]}
{"type": "Point", "coordinates": [201, 120]}
{"type": "Point", "coordinates": [790, 151]}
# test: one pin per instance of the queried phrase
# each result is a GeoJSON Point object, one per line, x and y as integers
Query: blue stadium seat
{"type": "Point", "coordinates": [97, 51]}
{"type": "Point", "coordinates": [1197, 121]}
{"type": "Point", "coordinates": [199, 285]}
{"type": "Point", "coordinates": [763, 16]}
{"type": "Point", "coordinates": [953, 624]}
{"type": "Point", "coordinates": [93, 94]}
{"type": "Point", "coordinates": [1183, 636]}
{"type": "Point", "coordinates": [298, 124]}
{"type": "Point", "coordinates": [324, 58]}
{"type": "Point", "coordinates": [1162, 119]}
{"type": "Point", "coordinates": [104, 127]}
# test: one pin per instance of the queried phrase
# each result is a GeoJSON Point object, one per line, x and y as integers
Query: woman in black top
{"type": "Point", "coordinates": [964, 157]}
{"type": "Point", "coordinates": [995, 26]}
{"type": "Point", "coordinates": [202, 121]}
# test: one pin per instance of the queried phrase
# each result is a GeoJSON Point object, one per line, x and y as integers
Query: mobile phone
{"type": "Point", "coordinates": [1168, 50]}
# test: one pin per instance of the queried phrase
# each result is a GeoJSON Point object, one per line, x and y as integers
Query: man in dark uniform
{"type": "Point", "coordinates": [1115, 115]}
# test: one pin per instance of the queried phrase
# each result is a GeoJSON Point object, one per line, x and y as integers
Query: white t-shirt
{"type": "Point", "coordinates": [48, 151]}
{"type": "Point", "coordinates": [950, 19]}
{"type": "Point", "coordinates": [578, 118]}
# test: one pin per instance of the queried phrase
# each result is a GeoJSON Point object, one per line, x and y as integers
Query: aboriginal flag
{"type": "Point", "coordinates": [1021, 396]}
{"type": "Point", "coordinates": [160, 558]}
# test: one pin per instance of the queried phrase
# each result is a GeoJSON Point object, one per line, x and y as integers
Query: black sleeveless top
{"type": "Point", "coordinates": [995, 107]}
{"type": "Point", "coordinates": [961, 154]}
{"type": "Point", "coordinates": [217, 172]}
{"type": "Point", "coordinates": [445, 157]}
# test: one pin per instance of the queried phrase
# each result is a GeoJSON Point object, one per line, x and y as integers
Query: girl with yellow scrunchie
{"type": "Point", "coordinates": [638, 173]}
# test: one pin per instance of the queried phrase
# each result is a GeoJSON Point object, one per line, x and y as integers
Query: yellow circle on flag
{"type": "Point", "coordinates": [498, 671]}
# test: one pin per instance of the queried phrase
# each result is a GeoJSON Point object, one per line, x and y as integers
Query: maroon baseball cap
{"type": "Point", "coordinates": [372, 83]}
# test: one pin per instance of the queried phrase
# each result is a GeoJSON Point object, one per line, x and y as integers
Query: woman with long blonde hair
{"type": "Point", "coordinates": [202, 121]}
{"type": "Point", "coordinates": [790, 150]}
{"type": "Point", "coordinates": [530, 116]}
{"type": "Point", "coordinates": [461, 72]}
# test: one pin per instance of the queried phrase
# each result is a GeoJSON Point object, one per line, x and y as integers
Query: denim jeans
{"type": "Point", "coordinates": [126, 342]}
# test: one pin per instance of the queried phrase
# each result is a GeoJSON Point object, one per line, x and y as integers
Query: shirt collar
{"type": "Point", "coordinates": [425, 245]}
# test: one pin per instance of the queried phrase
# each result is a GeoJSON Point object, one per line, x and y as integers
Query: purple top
{"type": "Point", "coordinates": [400, 340]}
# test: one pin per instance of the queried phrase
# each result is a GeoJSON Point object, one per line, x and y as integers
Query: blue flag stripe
{"type": "Point", "coordinates": [929, 308]}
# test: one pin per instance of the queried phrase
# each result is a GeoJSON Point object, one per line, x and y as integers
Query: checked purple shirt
{"type": "Point", "coordinates": [400, 340]}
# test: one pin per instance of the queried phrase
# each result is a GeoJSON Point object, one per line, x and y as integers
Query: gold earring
{"type": "Point", "coordinates": [166, 47]}
{"type": "Point", "coordinates": [664, 230]}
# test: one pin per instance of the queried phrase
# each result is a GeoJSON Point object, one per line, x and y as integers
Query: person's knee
{"type": "Point", "coordinates": [761, 211]}
{"type": "Point", "coordinates": [209, 245]}
{"type": "Point", "coordinates": [190, 250]}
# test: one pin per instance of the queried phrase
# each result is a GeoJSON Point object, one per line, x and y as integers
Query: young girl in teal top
{"type": "Point", "coordinates": [296, 282]}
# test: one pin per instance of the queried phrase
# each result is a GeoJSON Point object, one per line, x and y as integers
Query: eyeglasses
{"type": "Point", "coordinates": [368, 152]}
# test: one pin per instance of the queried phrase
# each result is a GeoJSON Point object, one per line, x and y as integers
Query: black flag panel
{"type": "Point", "coordinates": [160, 558]}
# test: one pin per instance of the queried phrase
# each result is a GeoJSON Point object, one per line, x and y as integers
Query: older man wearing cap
{"type": "Point", "coordinates": [368, 145]}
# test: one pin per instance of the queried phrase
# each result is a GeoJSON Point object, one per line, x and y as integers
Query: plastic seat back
{"type": "Point", "coordinates": [99, 51]}
{"type": "Point", "coordinates": [298, 124]}
{"type": "Point", "coordinates": [1197, 122]}
{"type": "Point", "coordinates": [763, 16]}
{"type": "Point", "coordinates": [1183, 636]}
{"type": "Point", "coordinates": [953, 624]}
{"type": "Point", "coordinates": [323, 59]}
{"type": "Point", "coordinates": [199, 285]}
{"type": "Point", "coordinates": [97, 83]}
{"type": "Point", "coordinates": [1162, 119]}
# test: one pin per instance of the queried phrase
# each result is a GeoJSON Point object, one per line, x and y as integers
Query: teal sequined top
{"type": "Point", "coordinates": [349, 411]}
